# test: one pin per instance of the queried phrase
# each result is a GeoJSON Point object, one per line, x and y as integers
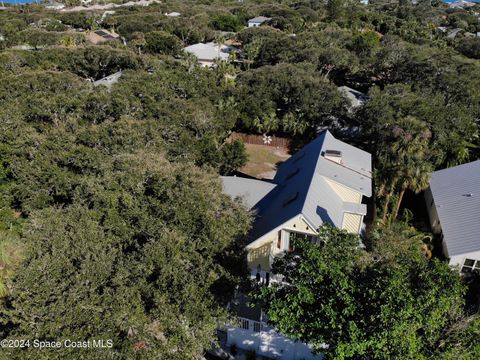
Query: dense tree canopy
{"type": "Point", "coordinates": [112, 221]}
{"type": "Point", "coordinates": [352, 304]}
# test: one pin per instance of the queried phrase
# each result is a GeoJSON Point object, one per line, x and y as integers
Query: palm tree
{"type": "Point", "coordinates": [402, 160]}
{"type": "Point", "coordinates": [415, 177]}
{"type": "Point", "coordinates": [190, 61]}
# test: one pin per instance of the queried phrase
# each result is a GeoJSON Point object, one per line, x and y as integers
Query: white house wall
{"type": "Point", "coordinates": [458, 260]}
{"type": "Point", "coordinates": [432, 212]}
{"type": "Point", "coordinates": [261, 249]}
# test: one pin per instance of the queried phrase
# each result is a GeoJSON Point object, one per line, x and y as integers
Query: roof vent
{"type": "Point", "coordinates": [333, 155]}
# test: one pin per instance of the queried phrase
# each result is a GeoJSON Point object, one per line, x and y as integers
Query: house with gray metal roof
{"type": "Point", "coordinates": [209, 52]}
{"type": "Point", "coordinates": [324, 182]}
{"type": "Point", "coordinates": [355, 97]}
{"type": "Point", "coordinates": [257, 21]}
{"type": "Point", "coordinates": [453, 204]}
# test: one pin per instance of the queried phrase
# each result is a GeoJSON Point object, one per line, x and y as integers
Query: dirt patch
{"type": "Point", "coordinates": [263, 160]}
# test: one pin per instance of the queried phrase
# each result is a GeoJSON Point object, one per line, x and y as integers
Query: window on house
{"type": "Point", "coordinates": [279, 240]}
{"type": "Point", "coordinates": [257, 327]}
{"type": "Point", "coordinates": [470, 265]}
{"type": "Point", "coordinates": [245, 324]}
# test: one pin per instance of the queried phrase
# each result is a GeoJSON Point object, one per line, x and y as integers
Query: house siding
{"type": "Point", "coordinates": [352, 222]}
{"type": "Point", "coordinates": [344, 192]}
{"type": "Point", "coordinates": [458, 260]}
{"type": "Point", "coordinates": [260, 254]}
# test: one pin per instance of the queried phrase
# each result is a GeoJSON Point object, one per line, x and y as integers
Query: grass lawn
{"type": "Point", "coordinates": [263, 160]}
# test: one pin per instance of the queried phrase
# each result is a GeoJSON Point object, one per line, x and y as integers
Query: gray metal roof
{"type": "Point", "coordinates": [209, 51]}
{"type": "Point", "coordinates": [303, 189]}
{"type": "Point", "coordinates": [251, 191]}
{"type": "Point", "coordinates": [109, 80]}
{"type": "Point", "coordinates": [356, 97]}
{"type": "Point", "coordinates": [456, 193]}
{"type": "Point", "coordinates": [259, 19]}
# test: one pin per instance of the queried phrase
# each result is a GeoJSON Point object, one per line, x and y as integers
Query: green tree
{"type": "Point", "coordinates": [138, 41]}
{"type": "Point", "coordinates": [161, 42]}
{"type": "Point", "coordinates": [352, 304]}
{"type": "Point", "coordinates": [233, 157]}
{"type": "Point", "coordinates": [130, 262]}
{"type": "Point", "coordinates": [227, 22]}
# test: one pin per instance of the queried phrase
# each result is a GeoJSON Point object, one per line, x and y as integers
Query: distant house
{"type": "Point", "coordinates": [101, 36]}
{"type": "Point", "coordinates": [109, 80]}
{"type": "Point", "coordinates": [453, 204]}
{"type": "Point", "coordinates": [461, 4]}
{"type": "Point", "coordinates": [356, 97]}
{"type": "Point", "coordinates": [173, 14]}
{"type": "Point", "coordinates": [453, 33]}
{"type": "Point", "coordinates": [209, 52]}
{"type": "Point", "coordinates": [53, 5]}
{"type": "Point", "coordinates": [364, 2]}
{"type": "Point", "coordinates": [323, 183]}
{"type": "Point", "coordinates": [257, 21]}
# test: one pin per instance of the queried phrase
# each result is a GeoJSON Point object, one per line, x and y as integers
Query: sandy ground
{"type": "Point", "coordinates": [263, 160]}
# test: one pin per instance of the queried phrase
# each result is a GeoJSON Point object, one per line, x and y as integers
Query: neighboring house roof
{"type": "Point", "coordinates": [106, 34]}
{"type": "Point", "coordinates": [101, 36]}
{"type": "Point", "coordinates": [109, 80]}
{"type": "Point", "coordinates": [303, 188]}
{"type": "Point", "coordinates": [453, 33]}
{"type": "Point", "coordinates": [259, 20]}
{"type": "Point", "coordinates": [209, 51]}
{"type": "Point", "coordinates": [54, 5]}
{"type": "Point", "coordinates": [173, 14]}
{"type": "Point", "coordinates": [456, 193]}
{"type": "Point", "coordinates": [356, 97]}
{"type": "Point", "coordinates": [250, 190]}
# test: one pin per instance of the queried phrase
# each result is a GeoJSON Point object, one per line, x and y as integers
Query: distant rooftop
{"type": "Point", "coordinates": [109, 80]}
{"type": "Point", "coordinates": [356, 97]}
{"type": "Point", "coordinates": [209, 51]}
{"type": "Point", "coordinates": [456, 193]}
{"type": "Point", "coordinates": [259, 19]}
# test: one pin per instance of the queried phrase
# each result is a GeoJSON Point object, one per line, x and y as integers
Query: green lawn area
{"type": "Point", "coordinates": [263, 160]}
